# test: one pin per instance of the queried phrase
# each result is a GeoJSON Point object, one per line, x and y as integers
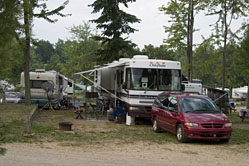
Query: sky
{"type": "Point", "coordinates": [150, 29]}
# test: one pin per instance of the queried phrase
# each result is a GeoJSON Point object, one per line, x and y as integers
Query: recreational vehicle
{"type": "Point", "coordinates": [135, 82]}
{"type": "Point", "coordinates": [61, 86]}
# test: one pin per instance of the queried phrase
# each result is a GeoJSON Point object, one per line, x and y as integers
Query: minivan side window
{"type": "Point", "coordinates": [163, 99]}
{"type": "Point", "coordinates": [172, 103]}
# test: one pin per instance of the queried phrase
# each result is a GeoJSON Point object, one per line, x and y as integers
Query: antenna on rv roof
{"type": "Point", "coordinates": [48, 87]}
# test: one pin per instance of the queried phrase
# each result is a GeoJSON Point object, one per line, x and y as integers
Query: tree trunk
{"type": "Point", "coordinates": [27, 24]}
{"type": "Point", "coordinates": [225, 48]}
{"type": "Point", "coordinates": [190, 38]}
{"type": "Point", "coordinates": [247, 105]}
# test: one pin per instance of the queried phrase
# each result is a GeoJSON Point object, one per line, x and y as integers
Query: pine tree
{"type": "Point", "coordinates": [114, 23]}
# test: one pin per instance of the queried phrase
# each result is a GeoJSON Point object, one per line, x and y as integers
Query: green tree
{"type": "Point", "coordinates": [234, 76]}
{"type": "Point", "coordinates": [205, 62]}
{"type": "Point", "coordinates": [180, 32]}
{"type": "Point", "coordinates": [29, 7]}
{"type": "Point", "coordinates": [41, 53]}
{"type": "Point", "coordinates": [160, 52]}
{"type": "Point", "coordinates": [243, 62]}
{"type": "Point", "coordinates": [80, 52]}
{"type": "Point", "coordinates": [227, 11]}
{"type": "Point", "coordinates": [44, 49]}
{"type": "Point", "coordinates": [115, 23]}
{"type": "Point", "coordinates": [9, 48]}
{"type": "Point", "coordinates": [58, 58]}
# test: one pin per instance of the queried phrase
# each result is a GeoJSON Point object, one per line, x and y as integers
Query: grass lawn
{"type": "Point", "coordinates": [12, 118]}
{"type": "Point", "coordinates": [240, 134]}
{"type": "Point", "coordinates": [45, 128]}
{"type": "Point", "coordinates": [93, 132]}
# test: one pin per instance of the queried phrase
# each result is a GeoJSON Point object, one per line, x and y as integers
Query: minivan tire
{"type": "Point", "coordinates": [180, 134]}
{"type": "Point", "coordinates": [155, 126]}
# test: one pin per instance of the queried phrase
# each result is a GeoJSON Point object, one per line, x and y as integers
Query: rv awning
{"type": "Point", "coordinates": [111, 65]}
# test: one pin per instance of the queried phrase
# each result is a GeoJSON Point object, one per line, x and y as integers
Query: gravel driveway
{"type": "Point", "coordinates": [144, 154]}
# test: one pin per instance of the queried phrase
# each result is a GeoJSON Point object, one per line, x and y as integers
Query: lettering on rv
{"type": "Point", "coordinates": [157, 65]}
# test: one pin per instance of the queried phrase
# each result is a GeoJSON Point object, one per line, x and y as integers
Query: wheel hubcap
{"type": "Point", "coordinates": [155, 125]}
{"type": "Point", "coordinates": [179, 133]}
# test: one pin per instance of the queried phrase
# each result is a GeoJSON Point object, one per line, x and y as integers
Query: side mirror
{"type": "Point", "coordinates": [172, 109]}
{"type": "Point", "coordinates": [182, 87]}
{"type": "Point", "coordinates": [124, 85]}
{"type": "Point", "coordinates": [161, 106]}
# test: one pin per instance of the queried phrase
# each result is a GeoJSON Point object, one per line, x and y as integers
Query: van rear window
{"type": "Point", "coordinates": [36, 84]}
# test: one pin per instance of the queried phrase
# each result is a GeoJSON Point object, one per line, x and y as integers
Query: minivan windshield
{"type": "Point", "coordinates": [197, 105]}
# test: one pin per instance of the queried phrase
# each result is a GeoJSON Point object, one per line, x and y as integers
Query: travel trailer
{"type": "Point", "coordinates": [135, 82]}
{"type": "Point", "coordinates": [240, 93]}
{"type": "Point", "coordinates": [62, 86]}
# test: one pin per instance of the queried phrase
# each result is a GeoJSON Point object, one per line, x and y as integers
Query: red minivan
{"type": "Point", "coordinates": [190, 116]}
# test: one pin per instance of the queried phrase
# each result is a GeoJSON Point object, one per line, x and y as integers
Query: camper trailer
{"type": "Point", "coordinates": [135, 82]}
{"type": "Point", "coordinates": [62, 86]}
{"type": "Point", "coordinates": [240, 93]}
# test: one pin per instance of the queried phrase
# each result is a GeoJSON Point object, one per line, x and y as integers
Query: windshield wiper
{"type": "Point", "coordinates": [205, 110]}
{"type": "Point", "coordinates": [217, 111]}
{"type": "Point", "coordinates": [188, 111]}
{"type": "Point", "coordinates": [146, 89]}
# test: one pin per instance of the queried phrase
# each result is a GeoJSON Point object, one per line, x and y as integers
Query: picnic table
{"type": "Point", "coordinates": [90, 110]}
{"type": "Point", "coordinates": [244, 113]}
{"type": "Point", "coordinates": [79, 108]}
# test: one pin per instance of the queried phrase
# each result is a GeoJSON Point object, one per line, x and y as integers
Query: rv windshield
{"type": "Point", "coordinates": [153, 79]}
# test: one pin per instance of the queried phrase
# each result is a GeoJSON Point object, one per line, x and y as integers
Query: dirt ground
{"type": "Point", "coordinates": [144, 154]}
{"type": "Point", "coordinates": [114, 154]}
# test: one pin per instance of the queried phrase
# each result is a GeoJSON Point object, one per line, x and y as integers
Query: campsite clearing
{"type": "Point", "coordinates": [107, 143]}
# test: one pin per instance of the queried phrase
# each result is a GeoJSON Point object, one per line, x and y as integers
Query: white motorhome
{"type": "Point", "coordinates": [62, 85]}
{"type": "Point", "coordinates": [136, 82]}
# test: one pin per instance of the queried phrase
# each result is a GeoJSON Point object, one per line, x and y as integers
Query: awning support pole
{"type": "Point", "coordinates": [100, 87]}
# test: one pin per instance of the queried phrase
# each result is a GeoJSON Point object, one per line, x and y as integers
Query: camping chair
{"type": "Point", "coordinates": [244, 113]}
{"type": "Point", "coordinates": [79, 110]}
{"type": "Point", "coordinates": [93, 111]}
{"type": "Point", "coordinates": [118, 112]}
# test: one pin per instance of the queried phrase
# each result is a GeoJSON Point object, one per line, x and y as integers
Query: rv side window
{"type": "Point", "coordinates": [128, 78]}
{"type": "Point", "coordinates": [118, 78]}
{"type": "Point", "coordinates": [36, 84]}
{"type": "Point", "coordinates": [96, 76]}
{"type": "Point", "coordinates": [70, 84]}
{"type": "Point", "coordinates": [121, 77]}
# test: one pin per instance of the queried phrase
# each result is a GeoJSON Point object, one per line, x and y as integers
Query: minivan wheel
{"type": "Point", "coordinates": [155, 126]}
{"type": "Point", "coordinates": [180, 134]}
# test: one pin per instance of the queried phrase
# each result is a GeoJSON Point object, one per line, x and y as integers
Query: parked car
{"type": "Point", "coordinates": [12, 97]}
{"type": "Point", "coordinates": [190, 116]}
